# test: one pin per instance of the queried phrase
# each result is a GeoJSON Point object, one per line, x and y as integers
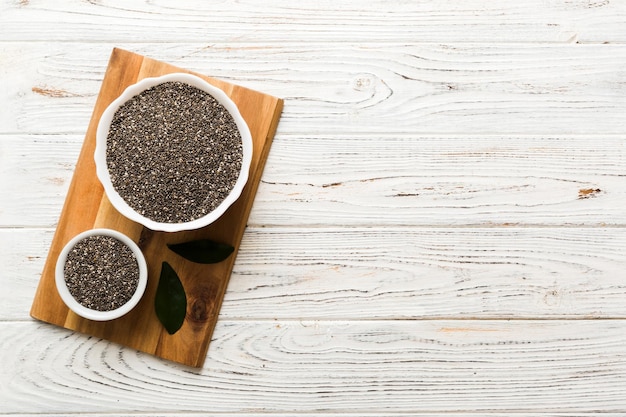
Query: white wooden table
{"type": "Point", "coordinates": [440, 228]}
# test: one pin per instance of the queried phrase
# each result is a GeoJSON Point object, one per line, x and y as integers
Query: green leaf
{"type": "Point", "coordinates": [203, 251]}
{"type": "Point", "coordinates": [170, 302]}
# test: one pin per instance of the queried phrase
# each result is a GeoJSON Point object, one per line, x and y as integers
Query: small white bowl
{"type": "Point", "coordinates": [100, 154]}
{"type": "Point", "coordinates": [89, 313]}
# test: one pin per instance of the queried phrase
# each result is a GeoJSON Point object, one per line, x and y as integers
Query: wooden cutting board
{"type": "Point", "coordinates": [86, 207]}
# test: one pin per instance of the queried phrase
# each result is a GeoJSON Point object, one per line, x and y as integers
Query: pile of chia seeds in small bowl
{"type": "Point", "coordinates": [101, 273]}
{"type": "Point", "coordinates": [173, 152]}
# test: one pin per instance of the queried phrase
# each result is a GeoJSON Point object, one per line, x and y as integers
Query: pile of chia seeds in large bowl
{"type": "Point", "coordinates": [174, 153]}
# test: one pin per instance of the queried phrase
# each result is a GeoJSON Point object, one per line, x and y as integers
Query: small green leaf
{"type": "Point", "coordinates": [170, 302]}
{"type": "Point", "coordinates": [203, 251]}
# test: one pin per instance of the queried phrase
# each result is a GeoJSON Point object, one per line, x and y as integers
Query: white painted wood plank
{"type": "Point", "coordinates": [362, 413]}
{"type": "Point", "coordinates": [391, 273]}
{"type": "Point", "coordinates": [35, 173]}
{"type": "Point", "coordinates": [377, 180]}
{"type": "Point", "coordinates": [327, 20]}
{"type": "Point", "coordinates": [324, 414]}
{"type": "Point", "coordinates": [429, 273]}
{"type": "Point", "coordinates": [444, 181]}
{"type": "Point", "coordinates": [23, 253]}
{"type": "Point", "coordinates": [316, 366]}
{"type": "Point", "coordinates": [335, 88]}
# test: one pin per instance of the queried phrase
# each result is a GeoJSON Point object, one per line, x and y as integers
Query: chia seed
{"type": "Point", "coordinates": [101, 273]}
{"type": "Point", "coordinates": [173, 153]}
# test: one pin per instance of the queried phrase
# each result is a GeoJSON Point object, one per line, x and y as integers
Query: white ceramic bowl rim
{"type": "Point", "coordinates": [80, 309]}
{"type": "Point", "coordinates": [102, 171]}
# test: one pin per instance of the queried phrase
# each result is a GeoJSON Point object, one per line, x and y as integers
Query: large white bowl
{"type": "Point", "coordinates": [100, 154]}
{"type": "Point", "coordinates": [89, 313]}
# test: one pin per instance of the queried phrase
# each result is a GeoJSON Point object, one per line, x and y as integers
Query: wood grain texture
{"type": "Point", "coordinates": [408, 180]}
{"type": "Point", "coordinates": [392, 273]}
{"type": "Point", "coordinates": [517, 367]}
{"type": "Point", "coordinates": [365, 413]}
{"type": "Point", "coordinates": [366, 88]}
{"type": "Point", "coordinates": [41, 164]}
{"type": "Point", "coordinates": [86, 207]}
{"type": "Point", "coordinates": [346, 21]}
{"type": "Point", "coordinates": [395, 180]}
{"type": "Point", "coordinates": [320, 414]}
{"type": "Point", "coordinates": [439, 230]}
{"type": "Point", "coordinates": [399, 273]}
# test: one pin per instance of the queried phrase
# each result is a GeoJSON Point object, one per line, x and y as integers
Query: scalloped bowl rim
{"type": "Point", "coordinates": [102, 171]}
{"type": "Point", "coordinates": [89, 313]}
